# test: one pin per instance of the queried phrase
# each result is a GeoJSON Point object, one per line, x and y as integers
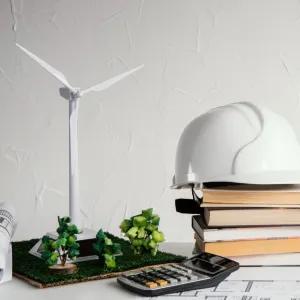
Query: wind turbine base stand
{"type": "Point", "coordinates": [85, 239]}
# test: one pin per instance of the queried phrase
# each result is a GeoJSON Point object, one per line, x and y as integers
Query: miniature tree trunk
{"type": "Point", "coordinates": [63, 259]}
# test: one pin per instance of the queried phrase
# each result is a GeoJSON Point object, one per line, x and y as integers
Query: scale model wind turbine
{"type": "Point", "coordinates": [73, 95]}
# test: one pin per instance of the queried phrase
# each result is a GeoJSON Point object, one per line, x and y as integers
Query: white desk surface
{"type": "Point", "coordinates": [109, 289]}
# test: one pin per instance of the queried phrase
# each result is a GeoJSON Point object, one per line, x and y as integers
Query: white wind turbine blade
{"type": "Point", "coordinates": [57, 74]}
{"type": "Point", "coordinates": [108, 83]}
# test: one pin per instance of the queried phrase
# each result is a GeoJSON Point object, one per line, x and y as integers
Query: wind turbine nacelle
{"type": "Point", "coordinates": [67, 94]}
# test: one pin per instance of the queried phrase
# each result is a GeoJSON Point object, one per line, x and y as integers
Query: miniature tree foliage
{"type": "Point", "coordinates": [64, 247]}
{"type": "Point", "coordinates": [142, 231]}
{"type": "Point", "coordinates": [106, 249]}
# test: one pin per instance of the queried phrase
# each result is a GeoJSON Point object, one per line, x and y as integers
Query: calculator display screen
{"type": "Point", "coordinates": [213, 259]}
{"type": "Point", "coordinates": [205, 266]}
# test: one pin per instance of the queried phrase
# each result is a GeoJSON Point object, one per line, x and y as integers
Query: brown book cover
{"type": "Point", "coordinates": [250, 247]}
{"type": "Point", "coordinates": [213, 234]}
{"type": "Point", "coordinates": [236, 217]}
{"type": "Point", "coordinates": [253, 194]}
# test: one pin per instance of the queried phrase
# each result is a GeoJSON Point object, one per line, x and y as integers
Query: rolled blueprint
{"type": "Point", "coordinates": [7, 228]}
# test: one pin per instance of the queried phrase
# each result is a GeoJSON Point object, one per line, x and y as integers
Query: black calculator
{"type": "Point", "coordinates": [201, 271]}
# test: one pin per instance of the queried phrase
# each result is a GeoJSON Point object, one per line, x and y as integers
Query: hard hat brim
{"type": "Point", "coordinates": [264, 178]}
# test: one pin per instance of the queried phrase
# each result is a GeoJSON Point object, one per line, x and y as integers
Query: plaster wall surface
{"type": "Point", "coordinates": [198, 54]}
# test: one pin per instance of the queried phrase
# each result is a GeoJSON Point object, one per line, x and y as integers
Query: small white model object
{"type": "Point", "coordinates": [7, 228]}
{"type": "Point", "coordinates": [73, 95]}
{"type": "Point", "coordinates": [239, 142]}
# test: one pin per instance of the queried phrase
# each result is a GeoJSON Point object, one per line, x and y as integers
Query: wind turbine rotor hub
{"type": "Point", "coordinates": [75, 94]}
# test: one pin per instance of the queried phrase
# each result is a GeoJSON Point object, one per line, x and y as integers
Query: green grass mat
{"type": "Point", "coordinates": [35, 271]}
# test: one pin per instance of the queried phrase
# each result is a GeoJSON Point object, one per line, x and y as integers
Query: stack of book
{"type": "Point", "coordinates": [253, 224]}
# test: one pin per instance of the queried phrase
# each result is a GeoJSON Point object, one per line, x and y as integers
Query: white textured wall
{"type": "Point", "coordinates": [197, 54]}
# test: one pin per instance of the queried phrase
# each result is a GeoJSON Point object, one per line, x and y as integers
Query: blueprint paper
{"type": "Point", "coordinates": [244, 290]}
{"type": "Point", "coordinates": [7, 228]}
{"type": "Point", "coordinates": [250, 283]}
{"type": "Point", "coordinates": [6, 273]}
{"type": "Point", "coordinates": [282, 259]}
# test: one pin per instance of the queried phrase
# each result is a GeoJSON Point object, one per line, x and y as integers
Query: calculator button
{"type": "Point", "coordinates": [172, 275]}
{"type": "Point", "coordinates": [161, 282]}
{"type": "Point", "coordinates": [189, 271]}
{"type": "Point", "coordinates": [167, 277]}
{"type": "Point", "coordinates": [137, 279]}
{"type": "Point", "coordinates": [177, 275]}
{"type": "Point", "coordinates": [163, 276]}
{"type": "Point", "coordinates": [150, 284]}
{"type": "Point", "coordinates": [132, 273]}
{"type": "Point", "coordinates": [189, 276]}
{"type": "Point", "coordinates": [180, 273]}
{"type": "Point", "coordinates": [134, 278]}
{"type": "Point", "coordinates": [168, 270]}
{"type": "Point", "coordinates": [147, 270]}
{"type": "Point", "coordinates": [147, 277]}
{"type": "Point", "coordinates": [183, 278]}
{"type": "Point", "coordinates": [155, 277]}
{"type": "Point", "coordinates": [177, 271]}
{"type": "Point", "coordinates": [145, 280]}
{"type": "Point", "coordinates": [172, 278]}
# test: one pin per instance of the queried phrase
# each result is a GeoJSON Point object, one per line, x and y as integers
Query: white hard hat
{"type": "Point", "coordinates": [240, 142]}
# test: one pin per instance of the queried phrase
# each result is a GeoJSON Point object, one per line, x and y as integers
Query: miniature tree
{"type": "Point", "coordinates": [142, 231]}
{"type": "Point", "coordinates": [64, 247]}
{"type": "Point", "coordinates": [106, 249]}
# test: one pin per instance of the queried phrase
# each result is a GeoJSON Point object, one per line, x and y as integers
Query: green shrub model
{"type": "Point", "coordinates": [142, 231]}
{"type": "Point", "coordinates": [106, 250]}
{"type": "Point", "coordinates": [64, 247]}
